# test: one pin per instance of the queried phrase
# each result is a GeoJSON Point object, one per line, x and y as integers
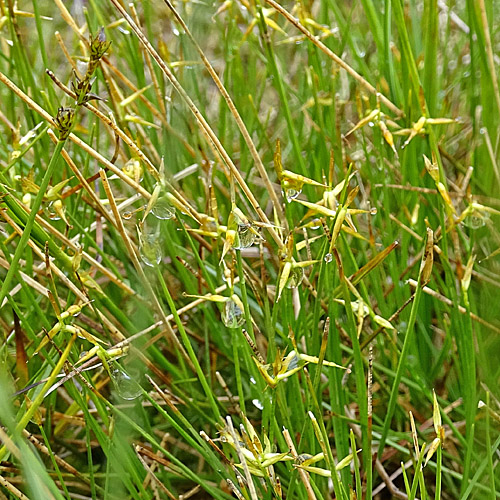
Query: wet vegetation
{"type": "Point", "coordinates": [249, 249]}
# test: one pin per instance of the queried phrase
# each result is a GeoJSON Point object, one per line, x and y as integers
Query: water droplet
{"type": "Point", "coordinates": [258, 404]}
{"type": "Point", "coordinates": [328, 258]}
{"type": "Point", "coordinates": [482, 130]}
{"type": "Point", "coordinates": [163, 209]}
{"type": "Point", "coordinates": [292, 193]}
{"type": "Point", "coordinates": [253, 381]}
{"type": "Point", "coordinates": [126, 387]}
{"type": "Point", "coordinates": [150, 250]}
{"type": "Point", "coordinates": [373, 211]}
{"type": "Point", "coordinates": [296, 277]}
{"type": "Point", "coordinates": [476, 220]}
{"type": "Point", "coordinates": [315, 224]}
{"type": "Point", "coordinates": [371, 124]}
{"type": "Point", "coordinates": [53, 215]}
{"type": "Point", "coordinates": [127, 215]}
{"type": "Point", "coordinates": [245, 238]}
{"type": "Point", "coordinates": [232, 315]}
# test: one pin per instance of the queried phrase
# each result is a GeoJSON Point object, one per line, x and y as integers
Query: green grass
{"type": "Point", "coordinates": [194, 272]}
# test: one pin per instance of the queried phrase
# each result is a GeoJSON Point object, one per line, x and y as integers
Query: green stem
{"type": "Point", "coordinates": [399, 372]}
{"type": "Point", "coordinates": [188, 346]}
{"type": "Point", "coordinates": [31, 219]}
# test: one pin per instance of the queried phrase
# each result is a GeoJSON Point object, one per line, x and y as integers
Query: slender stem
{"type": "Point", "coordinates": [23, 422]}
{"type": "Point", "coordinates": [187, 345]}
{"type": "Point", "coordinates": [31, 219]}
{"type": "Point", "coordinates": [399, 372]}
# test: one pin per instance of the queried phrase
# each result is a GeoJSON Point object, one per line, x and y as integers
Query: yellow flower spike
{"type": "Point", "coordinates": [132, 97]}
{"type": "Point", "coordinates": [315, 360]}
{"type": "Point", "coordinates": [414, 435]}
{"type": "Point", "coordinates": [287, 374]}
{"type": "Point", "coordinates": [278, 166]}
{"type": "Point", "coordinates": [272, 458]}
{"type": "Point", "coordinates": [432, 168]}
{"type": "Point", "coordinates": [90, 354]}
{"type": "Point", "coordinates": [345, 461]}
{"type": "Point", "coordinates": [373, 116]}
{"type": "Point", "coordinates": [140, 121]}
{"type": "Point", "coordinates": [440, 121]}
{"type": "Point", "coordinates": [272, 24]}
{"type": "Point", "coordinates": [315, 470]}
{"type": "Point", "coordinates": [483, 208]}
{"type": "Point", "coordinates": [313, 459]}
{"type": "Point", "coordinates": [76, 260]}
{"type": "Point", "coordinates": [291, 176]}
{"type": "Point", "coordinates": [468, 274]}
{"type": "Point", "coordinates": [383, 322]}
{"type": "Point", "coordinates": [83, 334]}
{"type": "Point", "coordinates": [351, 196]}
{"type": "Point", "coordinates": [60, 212]}
{"type": "Point", "coordinates": [117, 352]}
{"type": "Point", "coordinates": [73, 310]}
{"type": "Point", "coordinates": [337, 227]}
{"type": "Point", "coordinates": [49, 336]}
{"type": "Point", "coordinates": [285, 274]}
{"type": "Point", "coordinates": [387, 136]}
{"type": "Point", "coordinates": [302, 244]}
{"type": "Point", "coordinates": [432, 449]}
{"type": "Point", "coordinates": [417, 128]}
{"type": "Point", "coordinates": [427, 259]}
{"type": "Point", "coordinates": [420, 124]}
{"type": "Point", "coordinates": [28, 184]}
{"type": "Point", "coordinates": [152, 201]}
{"type": "Point", "coordinates": [89, 282]}
{"type": "Point", "coordinates": [438, 428]}
{"type": "Point", "coordinates": [53, 192]}
{"type": "Point", "coordinates": [436, 414]}
{"type": "Point", "coordinates": [284, 363]}
{"type": "Point", "coordinates": [304, 263]}
{"type": "Point", "coordinates": [319, 209]}
{"type": "Point", "coordinates": [252, 434]}
{"type": "Point", "coordinates": [270, 381]}
{"type": "Point", "coordinates": [211, 297]}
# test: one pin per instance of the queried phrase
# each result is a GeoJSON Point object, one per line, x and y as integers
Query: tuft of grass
{"type": "Point", "coordinates": [249, 250]}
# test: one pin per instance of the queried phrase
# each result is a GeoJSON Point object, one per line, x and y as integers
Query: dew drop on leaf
{"type": "Point", "coordinates": [127, 215]}
{"type": "Point", "coordinates": [296, 277]}
{"type": "Point", "coordinates": [315, 224]}
{"type": "Point", "coordinates": [292, 193]}
{"type": "Point", "coordinates": [150, 250]}
{"type": "Point", "coordinates": [258, 404]}
{"type": "Point", "coordinates": [232, 315]}
{"type": "Point", "coordinates": [328, 257]}
{"type": "Point", "coordinates": [476, 219]}
{"type": "Point", "coordinates": [126, 387]}
{"type": "Point", "coordinates": [163, 209]}
{"type": "Point", "coordinates": [245, 237]}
